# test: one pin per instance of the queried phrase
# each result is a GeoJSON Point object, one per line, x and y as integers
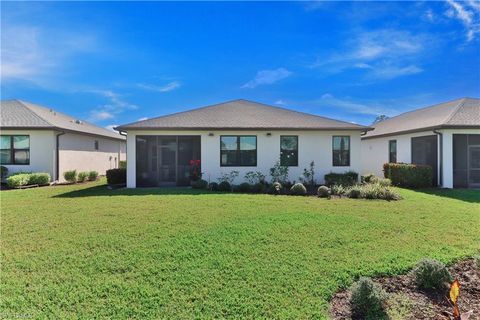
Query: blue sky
{"type": "Point", "coordinates": [117, 62]}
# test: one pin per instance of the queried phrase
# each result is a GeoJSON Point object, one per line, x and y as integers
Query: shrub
{"type": "Point", "coordinates": [40, 178]}
{"type": "Point", "coordinates": [117, 176]}
{"type": "Point", "coordinates": [368, 299]}
{"type": "Point", "coordinates": [224, 186]}
{"type": "Point", "coordinates": [384, 182]}
{"type": "Point", "coordinates": [213, 186]}
{"type": "Point", "coordinates": [18, 180]}
{"type": "Point", "coordinates": [354, 192]}
{"type": "Point", "coordinates": [409, 175]}
{"type": "Point", "coordinates": [70, 176]}
{"type": "Point", "coordinates": [122, 164]}
{"type": "Point", "coordinates": [366, 178]}
{"type": "Point", "coordinates": [3, 172]}
{"type": "Point", "coordinates": [228, 177]}
{"type": "Point", "coordinates": [345, 179]}
{"type": "Point", "coordinates": [254, 177]}
{"type": "Point", "coordinates": [279, 173]}
{"type": "Point", "coordinates": [82, 176]}
{"type": "Point", "coordinates": [92, 175]}
{"type": "Point", "coordinates": [338, 190]}
{"type": "Point", "coordinates": [323, 192]}
{"type": "Point", "coordinates": [244, 187]}
{"type": "Point", "coordinates": [432, 275]}
{"type": "Point", "coordinates": [200, 184]}
{"type": "Point", "coordinates": [298, 189]}
{"type": "Point", "coordinates": [308, 176]}
{"type": "Point", "coordinates": [258, 187]}
{"type": "Point", "coordinates": [276, 188]}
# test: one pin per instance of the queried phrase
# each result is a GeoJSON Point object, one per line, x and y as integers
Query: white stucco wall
{"type": "Point", "coordinates": [313, 145]}
{"type": "Point", "coordinates": [77, 152]}
{"type": "Point", "coordinates": [42, 151]}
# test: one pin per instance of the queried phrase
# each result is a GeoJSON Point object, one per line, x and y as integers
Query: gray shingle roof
{"type": "Point", "coordinates": [21, 114]}
{"type": "Point", "coordinates": [241, 115]}
{"type": "Point", "coordinates": [460, 113]}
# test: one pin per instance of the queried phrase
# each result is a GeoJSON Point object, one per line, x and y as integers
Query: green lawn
{"type": "Point", "coordinates": [88, 252]}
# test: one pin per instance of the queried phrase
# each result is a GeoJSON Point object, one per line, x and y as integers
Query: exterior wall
{"type": "Point", "coordinates": [313, 145]}
{"type": "Point", "coordinates": [77, 152]}
{"type": "Point", "coordinates": [42, 151]}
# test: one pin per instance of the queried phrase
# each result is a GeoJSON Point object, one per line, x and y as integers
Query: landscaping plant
{"type": "Point", "coordinates": [338, 190]}
{"type": "Point", "coordinates": [298, 189]}
{"type": "Point", "coordinates": [213, 186]}
{"type": "Point", "coordinates": [348, 178]}
{"type": "Point", "coordinates": [70, 176]}
{"type": "Point", "coordinates": [254, 177]}
{"type": "Point", "coordinates": [244, 187]}
{"type": "Point", "coordinates": [82, 176]}
{"type": "Point", "coordinates": [116, 176]}
{"type": "Point", "coordinates": [228, 177]}
{"type": "Point", "coordinates": [92, 175]}
{"type": "Point", "coordinates": [200, 184]}
{"type": "Point", "coordinates": [409, 175]}
{"type": "Point", "coordinates": [18, 180]}
{"type": "Point", "coordinates": [432, 275]}
{"type": "Point", "coordinates": [195, 173]}
{"type": "Point", "coordinates": [323, 192]}
{"type": "Point", "coordinates": [279, 173]}
{"type": "Point", "coordinates": [276, 188]}
{"type": "Point", "coordinates": [258, 187]}
{"type": "Point", "coordinates": [224, 186]}
{"type": "Point", "coordinates": [308, 176]}
{"type": "Point", "coordinates": [39, 178]}
{"type": "Point", "coordinates": [368, 299]}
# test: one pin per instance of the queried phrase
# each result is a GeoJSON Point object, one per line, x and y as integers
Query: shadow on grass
{"type": "Point", "coordinates": [103, 190]}
{"type": "Point", "coordinates": [467, 195]}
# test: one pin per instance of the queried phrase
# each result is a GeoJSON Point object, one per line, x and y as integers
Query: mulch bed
{"type": "Point", "coordinates": [416, 304]}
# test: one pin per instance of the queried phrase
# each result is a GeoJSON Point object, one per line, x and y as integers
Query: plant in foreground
{"type": "Point", "coordinates": [432, 275]}
{"type": "Point", "coordinates": [70, 176]}
{"type": "Point", "coordinates": [298, 189]}
{"type": "Point", "coordinates": [368, 299]}
{"type": "Point", "coordinates": [323, 192]}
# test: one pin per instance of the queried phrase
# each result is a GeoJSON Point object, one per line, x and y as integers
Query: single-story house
{"type": "Point", "coordinates": [238, 135]}
{"type": "Point", "coordinates": [445, 136]}
{"type": "Point", "coordinates": [40, 139]}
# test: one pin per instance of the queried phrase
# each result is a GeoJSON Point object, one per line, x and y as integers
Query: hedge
{"type": "Point", "coordinates": [117, 176]}
{"type": "Point", "coordinates": [25, 179]}
{"type": "Point", "coordinates": [409, 175]}
{"type": "Point", "coordinates": [345, 179]}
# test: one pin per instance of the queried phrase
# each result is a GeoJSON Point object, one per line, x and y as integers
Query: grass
{"type": "Point", "coordinates": [84, 251]}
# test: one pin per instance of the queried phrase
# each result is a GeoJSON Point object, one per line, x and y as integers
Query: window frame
{"type": "Point", "coordinates": [297, 154]}
{"type": "Point", "coordinates": [238, 151]}
{"type": "Point", "coordinates": [349, 151]}
{"type": "Point", "coordinates": [12, 149]}
{"type": "Point", "coordinates": [390, 151]}
{"type": "Point", "coordinates": [96, 145]}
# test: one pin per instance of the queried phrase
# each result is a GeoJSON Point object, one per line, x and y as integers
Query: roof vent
{"type": "Point", "coordinates": [78, 122]}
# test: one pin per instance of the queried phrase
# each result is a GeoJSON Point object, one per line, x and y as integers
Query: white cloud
{"type": "Point", "coordinates": [116, 105]}
{"type": "Point", "coordinates": [390, 72]}
{"type": "Point", "coordinates": [468, 13]}
{"type": "Point", "coordinates": [111, 126]}
{"type": "Point", "coordinates": [142, 119]}
{"type": "Point", "coordinates": [100, 115]}
{"type": "Point", "coordinates": [280, 102]}
{"type": "Point", "coordinates": [429, 15]}
{"type": "Point", "coordinates": [267, 77]}
{"type": "Point", "coordinates": [166, 88]}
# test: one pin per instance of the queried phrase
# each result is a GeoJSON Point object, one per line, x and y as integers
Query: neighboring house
{"type": "Point", "coordinates": [238, 135]}
{"type": "Point", "coordinates": [445, 136]}
{"type": "Point", "coordinates": [40, 139]}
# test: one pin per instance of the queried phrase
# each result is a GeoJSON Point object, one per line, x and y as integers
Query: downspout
{"type": "Point", "coordinates": [57, 156]}
{"type": "Point", "coordinates": [440, 158]}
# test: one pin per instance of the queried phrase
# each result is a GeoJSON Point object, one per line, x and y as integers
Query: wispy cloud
{"type": "Point", "coordinates": [166, 88]}
{"type": "Point", "coordinates": [100, 115]}
{"type": "Point", "coordinates": [116, 105]}
{"type": "Point", "coordinates": [111, 126]}
{"type": "Point", "coordinates": [374, 109]}
{"type": "Point", "coordinates": [267, 77]}
{"type": "Point", "coordinates": [390, 72]}
{"type": "Point", "coordinates": [468, 13]}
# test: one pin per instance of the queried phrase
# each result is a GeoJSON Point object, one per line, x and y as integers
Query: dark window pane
{"type": "Point", "coordinates": [5, 156]}
{"type": "Point", "coordinates": [289, 150]}
{"type": "Point", "coordinates": [474, 139]}
{"type": "Point", "coordinates": [229, 157]}
{"type": "Point", "coordinates": [238, 151]}
{"type": "Point", "coordinates": [21, 142]}
{"type": "Point", "coordinates": [341, 151]}
{"type": "Point", "coordinates": [392, 146]}
{"type": "Point", "coordinates": [5, 142]}
{"type": "Point", "coordinates": [228, 143]}
{"type": "Point", "coordinates": [474, 158]}
{"type": "Point", "coordinates": [22, 156]}
{"type": "Point", "coordinates": [248, 158]}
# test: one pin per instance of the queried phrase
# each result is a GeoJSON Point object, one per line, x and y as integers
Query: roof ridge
{"type": "Point", "coordinates": [25, 105]}
{"type": "Point", "coordinates": [454, 112]}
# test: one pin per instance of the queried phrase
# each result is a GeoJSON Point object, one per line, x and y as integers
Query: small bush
{"type": "Point", "coordinates": [122, 164]}
{"type": "Point", "coordinates": [117, 176]}
{"type": "Point", "coordinates": [213, 186]}
{"type": "Point", "coordinates": [200, 184]}
{"type": "Point", "coordinates": [40, 178]}
{"type": "Point", "coordinates": [298, 189]}
{"type": "Point", "coordinates": [228, 177]}
{"type": "Point", "coordinates": [224, 186]}
{"type": "Point", "coordinates": [279, 173]}
{"type": "Point", "coordinates": [377, 191]}
{"type": "Point", "coordinates": [366, 178]}
{"type": "Point", "coordinates": [368, 299]}
{"type": "Point", "coordinates": [258, 187]}
{"type": "Point", "coordinates": [254, 177]}
{"type": "Point", "coordinates": [18, 180]}
{"type": "Point", "coordinates": [432, 275]}
{"type": "Point", "coordinates": [384, 182]}
{"type": "Point", "coordinates": [409, 175]}
{"type": "Point", "coordinates": [3, 172]}
{"type": "Point", "coordinates": [276, 188]}
{"type": "Point", "coordinates": [82, 176]}
{"type": "Point", "coordinates": [345, 179]}
{"type": "Point", "coordinates": [323, 192]}
{"type": "Point", "coordinates": [70, 176]}
{"type": "Point", "coordinates": [354, 192]}
{"type": "Point", "coordinates": [92, 175]}
{"type": "Point", "coordinates": [244, 187]}
{"type": "Point", "coordinates": [338, 190]}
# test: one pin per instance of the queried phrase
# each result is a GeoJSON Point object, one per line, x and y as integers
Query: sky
{"type": "Point", "coordinates": [113, 63]}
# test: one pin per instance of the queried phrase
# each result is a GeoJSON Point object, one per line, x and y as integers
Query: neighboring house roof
{"type": "Point", "coordinates": [17, 114]}
{"type": "Point", "coordinates": [460, 113]}
{"type": "Point", "coordinates": [241, 115]}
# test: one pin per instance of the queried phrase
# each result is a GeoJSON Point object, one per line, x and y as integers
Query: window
{"type": "Point", "coordinates": [15, 149]}
{"type": "Point", "coordinates": [341, 151]}
{"type": "Point", "coordinates": [95, 145]}
{"type": "Point", "coordinates": [238, 151]}
{"type": "Point", "coordinates": [289, 151]}
{"type": "Point", "coordinates": [392, 151]}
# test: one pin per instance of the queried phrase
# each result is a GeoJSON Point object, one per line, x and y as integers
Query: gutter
{"type": "Point", "coordinates": [57, 156]}
{"type": "Point", "coordinates": [440, 159]}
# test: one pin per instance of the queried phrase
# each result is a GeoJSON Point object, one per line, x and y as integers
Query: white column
{"type": "Point", "coordinates": [131, 157]}
{"type": "Point", "coordinates": [447, 158]}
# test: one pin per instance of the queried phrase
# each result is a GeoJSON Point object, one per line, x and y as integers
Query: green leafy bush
{"type": "Point", "coordinates": [323, 192]}
{"type": "Point", "coordinates": [354, 192]}
{"type": "Point", "coordinates": [345, 179]}
{"type": "Point", "coordinates": [213, 186]}
{"type": "Point", "coordinates": [432, 275]}
{"type": "Point", "coordinates": [368, 299]}
{"type": "Point", "coordinates": [338, 190]}
{"type": "Point", "coordinates": [366, 178]}
{"type": "Point", "coordinates": [385, 182]}
{"type": "Point", "coordinates": [276, 188]}
{"type": "Point", "coordinates": [117, 176]}
{"type": "Point", "coordinates": [244, 187]}
{"type": "Point", "coordinates": [200, 184]}
{"type": "Point", "coordinates": [3, 172]}
{"type": "Point", "coordinates": [298, 189]}
{"type": "Point", "coordinates": [92, 175]}
{"type": "Point", "coordinates": [40, 178]}
{"type": "Point", "coordinates": [409, 175]}
{"type": "Point", "coordinates": [18, 180]}
{"type": "Point", "coordinates": [228, 177]}
{"type": "Point", "coordinates": [258, 187]}
{"type": "Point", "coordinates": [279, 173]}
{"type": "Point", "coordinates": [308, 176]}
{"type": "Point", "coordinates": [224, 186]}
{"type": "Point", "coordinates": [70, 176]}
{"type": "Point", "coordinates": [82, 176]}
{"type": "Point", "coordinates": [254, 177]}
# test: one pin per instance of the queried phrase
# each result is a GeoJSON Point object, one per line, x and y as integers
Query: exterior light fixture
{"type": "Point", "coordinates": [269, 134]}
{"type": "Point", "coordinates": [211, 134]}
